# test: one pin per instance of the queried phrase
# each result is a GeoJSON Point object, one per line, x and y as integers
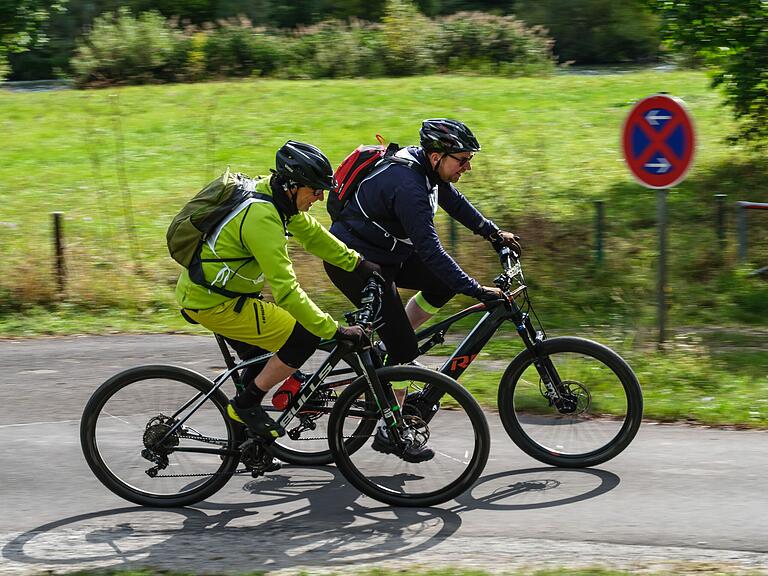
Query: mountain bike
{"type": "Point", "coordinates": [565, 401]}
{"type": "Point", "coordinates": [158, 435]}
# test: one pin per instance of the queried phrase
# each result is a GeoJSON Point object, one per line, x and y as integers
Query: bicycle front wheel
{"type": "Point", "coordinates": [599, 415]}
{"type": "Point", "coordinates": [123, 434]}
{"type": "Point", "coordinates": [457, 434]}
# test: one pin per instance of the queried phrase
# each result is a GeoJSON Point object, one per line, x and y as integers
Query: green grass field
{"type": "Point", "coordinates": [120, 162]}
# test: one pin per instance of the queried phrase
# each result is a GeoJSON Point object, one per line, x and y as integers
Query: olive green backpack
{"type": "Point", "coordinates": [200, 217]}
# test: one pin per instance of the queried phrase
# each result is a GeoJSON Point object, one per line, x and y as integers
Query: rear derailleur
{"type": "Point", "coordinates": [158, 443]}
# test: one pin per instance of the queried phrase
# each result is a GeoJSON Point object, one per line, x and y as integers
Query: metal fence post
{"type": "Point", "coordinates": [452, 235]}
{"type": "Point", "coordinates": [742, 223]}
{"type": "Point", "coordinates": [599, 229]}
{"type": "Point", "coordinates": [720, 219]}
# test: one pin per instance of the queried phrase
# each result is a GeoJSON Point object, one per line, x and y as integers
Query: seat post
{"type": "Point", "coordinates": [228, 359]}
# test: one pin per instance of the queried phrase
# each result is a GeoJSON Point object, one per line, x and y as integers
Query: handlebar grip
{"type": "Point", "coordinates": [505, 257]}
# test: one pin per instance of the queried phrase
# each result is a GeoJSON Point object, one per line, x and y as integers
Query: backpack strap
{"type": "Point", "coordinates": [196, 265]}
{"type": "Point", "coordinates": [390, 158]}
{"type": "Point", "coordinates": [412, 164]}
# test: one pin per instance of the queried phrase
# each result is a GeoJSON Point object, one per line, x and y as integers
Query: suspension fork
{"type": "Point", "coordinates": [532, 340]}
{"type": "Point", "coordinates": [384, 396]}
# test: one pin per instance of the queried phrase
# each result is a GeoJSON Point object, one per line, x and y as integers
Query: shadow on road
{"type": "Point", "coordinates": [296, 522]}
{"type": "Point", "coordinates": [311, 519]}
{"type": "Point", "coordinates": [534, 488]}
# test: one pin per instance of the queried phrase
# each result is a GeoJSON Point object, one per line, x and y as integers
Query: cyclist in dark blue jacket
{"type": "Point", "coordinates": [390, 221]}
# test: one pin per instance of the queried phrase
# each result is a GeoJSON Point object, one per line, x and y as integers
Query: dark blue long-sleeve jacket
{"type": "Point", "coordinates": [392, 215]}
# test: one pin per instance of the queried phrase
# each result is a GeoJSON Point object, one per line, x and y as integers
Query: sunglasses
{"type": "Point", "coordinates": [317, 193]}
{"type": "Point", "coordinates": [462, 161]}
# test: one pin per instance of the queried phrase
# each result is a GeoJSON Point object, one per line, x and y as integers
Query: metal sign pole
{"type": "Point", "coordinates": [661, 292]}
{"type": "Point", "coordinates": [658, 141]}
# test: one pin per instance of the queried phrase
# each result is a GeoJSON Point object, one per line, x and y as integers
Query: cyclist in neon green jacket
{"type": "Point", "coordinates": [293, 324]}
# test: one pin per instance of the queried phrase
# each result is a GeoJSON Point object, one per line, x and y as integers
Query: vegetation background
{"type": "Point", "coordinates": [227, 83]}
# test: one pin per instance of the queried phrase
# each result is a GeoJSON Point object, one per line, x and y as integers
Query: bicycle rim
{"type": "Point", "coordinates": [605, 411]}
{"type": "Point", "coordinates": [457, 433]}
{"type": "Point", "coordinates": [134, 410]}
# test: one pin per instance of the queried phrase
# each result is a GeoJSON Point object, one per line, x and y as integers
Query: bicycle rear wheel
{"type": "Point", "coordinates": [132, 412]}
{"type": "Point", "coordinates": [458, 434]}
{"type": "Point", "coordinates": [602, 414]}
{"type": "Point", "coordinates": [306, 440]}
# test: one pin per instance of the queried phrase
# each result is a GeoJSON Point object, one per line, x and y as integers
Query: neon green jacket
{"type": "Point", "coordinates": [255, 229]}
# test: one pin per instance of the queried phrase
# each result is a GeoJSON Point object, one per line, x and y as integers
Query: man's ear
{"type": "Point", "coordinates": [434, 157]}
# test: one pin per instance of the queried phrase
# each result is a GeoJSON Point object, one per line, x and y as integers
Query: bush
{"type": "Point", "coordinates": [237, 49]}
{"type": "Point", "coordinates": [4, 68]}
{"type": "Point", "coordinates": [123, 48]}
{"type": "Point", "coordinates": [408, 38]}
{"type": "Point", "coordinates": [486, 43]}
{"type": "Point", "coordinates": [335, 49]}
{"type": "Point", "coordinates": [126, 49]}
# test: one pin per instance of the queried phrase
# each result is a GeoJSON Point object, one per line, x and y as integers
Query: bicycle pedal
{"type": "Point", "coordinates": [264, 467]}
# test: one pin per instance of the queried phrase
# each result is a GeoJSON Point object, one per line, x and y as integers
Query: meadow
{"type": "Point", "coordinates": [118, 163]}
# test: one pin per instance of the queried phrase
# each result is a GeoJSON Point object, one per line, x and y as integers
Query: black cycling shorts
{"type": "Point", "coordinates": [396, 333]}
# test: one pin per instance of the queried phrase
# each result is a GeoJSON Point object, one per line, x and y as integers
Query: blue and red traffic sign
{"type": "Point", "coordinates": [658, 141]}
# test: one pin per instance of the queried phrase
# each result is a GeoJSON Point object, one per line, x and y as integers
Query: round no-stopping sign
{"type": "Point", "coordinates": [658, 141]}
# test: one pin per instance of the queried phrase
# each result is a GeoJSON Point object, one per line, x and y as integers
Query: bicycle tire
{"type": "Point", "coordinates": [381, 486]}
{"type": "Point", "coordinates": [103, 441]}
{"type": "Point", "coordinates": [532, 422]}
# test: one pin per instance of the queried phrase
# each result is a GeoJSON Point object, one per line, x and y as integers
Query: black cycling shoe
{"type": "Point", "coordinates": [257, 420]}
{"type": "Point", "coordinates": [414, 454]}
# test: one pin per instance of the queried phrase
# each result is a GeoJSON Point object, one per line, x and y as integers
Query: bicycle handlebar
{"type": "Point", "coordinates": [512, 270]}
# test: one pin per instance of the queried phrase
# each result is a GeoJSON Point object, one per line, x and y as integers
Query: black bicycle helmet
{"type": "Point", "coordinates": [447, 136]}
{"type": "Point", "coordinates": [305, 165]}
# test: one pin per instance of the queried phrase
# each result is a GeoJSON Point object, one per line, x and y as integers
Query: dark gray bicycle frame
{"type": "Point", "coordinates": [339, 350]}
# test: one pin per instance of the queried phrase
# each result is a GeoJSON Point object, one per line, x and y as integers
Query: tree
{"type": "Point", "coordinates": [21, 25]}
{"type": "Point", "coordinates": [595, 31]}
{"type": "Point", "coordinates": [732, 37]}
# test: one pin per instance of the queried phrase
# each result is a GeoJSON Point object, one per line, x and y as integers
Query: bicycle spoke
{"type": "Point", "coordinates": [381, 469]}
{"type": "Point", "coordinates": [132, 440]}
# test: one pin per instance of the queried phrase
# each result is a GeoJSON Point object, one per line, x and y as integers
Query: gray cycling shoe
{"type": "Point", "coordinates": [412, 453]}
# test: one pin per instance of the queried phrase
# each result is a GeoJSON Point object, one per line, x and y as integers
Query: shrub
{"type": "Point", "coordinates": [335, 49]}
{"type": "Point", "coordinates": [123, 48]}
{"type": "Point", "coordinates": [4, 68]}
{"type": "Point", "coordinates": [408, 38]}
{"type": "Point", "coordinates": [193, 54]}
{"type": "Point", "coordinates": [480, 42]}
{"type": "Point", "coordinates": [237, 49]}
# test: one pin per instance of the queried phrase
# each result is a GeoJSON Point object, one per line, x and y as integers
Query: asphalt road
{"type": "Point", "coordinates": [680, 498]}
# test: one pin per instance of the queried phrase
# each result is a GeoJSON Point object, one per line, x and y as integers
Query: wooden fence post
{"type": "Point", "coordinates": [58, 233]}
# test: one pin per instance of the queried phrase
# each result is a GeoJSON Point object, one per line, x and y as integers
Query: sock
{"type": "Point", "coordinates": [251, 396]}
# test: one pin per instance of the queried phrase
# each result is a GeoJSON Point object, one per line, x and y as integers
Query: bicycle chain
{"type": "Point", "coordinates": [207, 440]}
{"type": "Point", "coordinates": [216, 441]}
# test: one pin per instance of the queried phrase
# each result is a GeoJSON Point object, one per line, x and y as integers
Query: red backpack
{"type": "Point", "coordinates": [356, 167]}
